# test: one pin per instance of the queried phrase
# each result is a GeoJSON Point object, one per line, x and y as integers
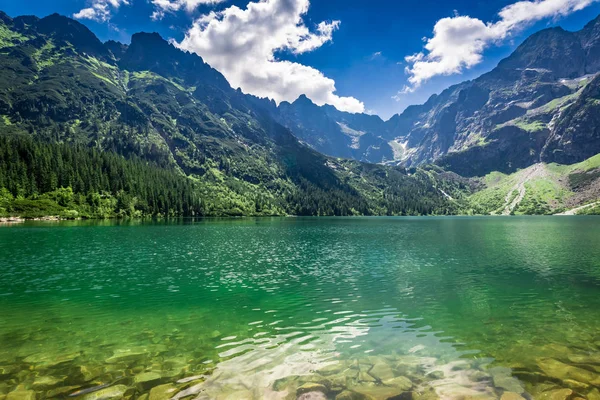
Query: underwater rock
{"type": "Point", "coordinates": [503, 379]}
{"type": "Point", "coordinates": [571, 384]}
{"type": "Point", "coordinates": [127, 355]}
{"type": "Point", "coordinates": [372, 390]}
{"type": "Point", "coordinates": [436, 374]}
{"type": "Point", "coordinates": [46, 382]}
{"type": "Point", "coordinates": [558, 394]}
{"type": "Point", "coordinates": [511, 396]}
{"type": "Point", "coordinates": [508, 383]}
{"type": "Point", "coordinates": [109, 393]}
{"type": "Point", "coordinates": [50, 360]}
{"type": "Point", "coordinates": [350, 395]}
{"type": "Point", "coordinates": [479, 376]}
{"type": "Point", "coordinates": [162, 392]}
{"type": "Point", "coordinates": [88, 373]}
{"type": "Point", "coordinates": [364, 376]}
{"type": "Point", "coordinates": [400, 382]}
{"type": "Point", "coordinates": [311, 387]}
{"type": "Point", "coordinates": [6, 370]}
{"type": "Point", "coordinates": [21, 395]}
{"type": "Point", "coordinates": [192, 390]}
{"type": "Point", "coordinates": [146, 380]}
{"type": "Point", "coordinates": [311, 396]}
{"type": "Point", "coordinates": [61, 391]}
{"type": "Point", "coordinates": [558, 370]}
{"type": "Point", "coordinates": [593, 394]}
{"type": "Point", "coordinates": [282, 383]}
{"type": "Point", "coordinates": [381, 372]}
{"type": "Point", "coordinates": [427, 394]}
{"type": "Point", "coordinates": [331, 369]}
{"type": "Point", "coordinates": [593, 359]}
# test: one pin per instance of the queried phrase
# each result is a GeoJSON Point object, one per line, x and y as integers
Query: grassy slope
{"type": "Point", "coordinates": [548, 194]}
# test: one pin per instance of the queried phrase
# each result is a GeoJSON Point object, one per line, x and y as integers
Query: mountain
{"type": "Point", "coordinates": [151, 104]}
{"type": "Point", "coordinates": [539, 104]}
{"type": "Point", "coordinates": [536, 105]}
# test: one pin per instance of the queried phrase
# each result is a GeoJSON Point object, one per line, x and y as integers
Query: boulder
{"type": "Point", "coordinates": [593, 394]}
{"type": "Point", "coordinates": [88, 373]}
{"type": "Point", "coordinates": [331, 369]}
{"type": "Point", "coordinates": [382, 372]}
{"type": "Point", "coordinates": [109, 393]}
{"type": "Point", "coordinates": [61, 391]}
{"type": "Point", "coordinates": [309, 396]}
{"type": "Point", "coordinates": [311, 387]}
{"type": "Point", "coordinates": [400, 382]}
{"type": "Point", "coordinates": [557, 394]}
{"type": "Point", "coordinates": [364, 376]}
{"type": "Point", "coordinates": [162, 392]}
{"type": "Point", "coordinates": [561, 371]}
{"type": "Point", "coordinates": [146, 380]}
{"type": "Point", "coordinates": [350, 395]}
{"type": "Point", "coordinates": [511, 396]}
{"type": "Point", "coordinates": [508, 383]}
{"type": "Point", "coordinates": [127, 355]}
{"type": "Point", "coordinates": [46, 382]}
{"type": "Point", "coordinates": [377, 391]}
{"type": "Point", "coordinates": [21, 395]}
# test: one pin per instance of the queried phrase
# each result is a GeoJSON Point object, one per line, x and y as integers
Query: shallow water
{"type": "Point", "coordinates": [255, 308]}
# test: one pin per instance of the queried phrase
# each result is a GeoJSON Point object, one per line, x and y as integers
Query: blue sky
{"type": "Point", "coordinates": [358, 46]}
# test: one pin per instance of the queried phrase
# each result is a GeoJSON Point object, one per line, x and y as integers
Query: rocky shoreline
{"type": "Point", "coordinates": [137, 374]}
{"type": "Point", "coordinates": [19, 220]}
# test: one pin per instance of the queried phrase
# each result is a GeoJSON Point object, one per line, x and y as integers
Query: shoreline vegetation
{"type": "Point", "coordinates": [58, 181]}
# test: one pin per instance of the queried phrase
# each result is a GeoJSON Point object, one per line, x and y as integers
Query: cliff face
{"type": "Point", "coordinates": [535, 105]}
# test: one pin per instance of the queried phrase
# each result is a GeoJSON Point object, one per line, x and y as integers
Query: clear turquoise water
{"type": "Point", "coordinates": [251, 302]}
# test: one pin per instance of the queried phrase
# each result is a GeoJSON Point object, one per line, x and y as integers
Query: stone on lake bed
{"type": "Point", "coordinates": [311, 396]}
{"type": "Point", "coordinates": [126, 355]}
{"type": "Point", "coordinates": [61, 391]}
{"type": "Point", "coordinates": [88, 373]}
{"type": "Point", "coordinates": [364, 376]}
{"type": "Point", "coordinates": [558, 394]}
{"type": "Point", "coordinates": [382, 372]}
{"type": "Point", "coordinates": [331, 369]}
{"type": "Point", "coordinates": [561, 371]}
{"type": "Point", "coordinates": [109, 393]}
{"type": "Point", "coordinates": [593, 359]}
{"type": "Point", "coordinates": [21, 395]}
{"type": "Point", "coordinates": [162, 392]}
{"type": "Point", "coordinates": [511, 396]}
{"type": "Point", "coordinates": [593, 394]}
{"type": "Point", "coordinates": [46, 382]}
{"type": "Point", "coordinates": [378, 391]}
{"type": "Point", "coordinates": [508, 383]}
{"type": "Point", "coordinates": [350, 395]}
{"type": "Point", "coordinates": [146, 380]}
{"type": "Point", "coordinates": [400, 382]}
{"type": "Point", "coordinates": [311, 387]}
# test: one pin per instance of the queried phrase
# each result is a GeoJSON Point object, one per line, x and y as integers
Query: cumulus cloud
{"type": "Point", "coordinates": [458, 42]}
{"type": "Point", "coordinates": [100, 10]}
{"type": "Point", "coordinates": [243, 44]}
{"type": "Point", "coordinates": [169, 6]}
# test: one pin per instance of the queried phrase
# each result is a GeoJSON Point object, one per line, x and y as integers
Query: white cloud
{"type": "Point", "coordinates": [100, 10]}
{"type": "Point", "coordinates": [243, 43]}
{"type": "Point", "coordinates": [166, 6]}
{"type": "Point", "coordinates": [458, 42]}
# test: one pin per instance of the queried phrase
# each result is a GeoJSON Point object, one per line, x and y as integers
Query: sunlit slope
{"type": "Point", "coordinates": [542, 189]}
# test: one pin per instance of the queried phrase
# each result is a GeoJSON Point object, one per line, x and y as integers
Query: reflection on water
{"type": "Point", "coordinates": [420, 308]}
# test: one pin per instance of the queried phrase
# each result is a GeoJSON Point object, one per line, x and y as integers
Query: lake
{"type": "Point", "coordinates": [311, 308]}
